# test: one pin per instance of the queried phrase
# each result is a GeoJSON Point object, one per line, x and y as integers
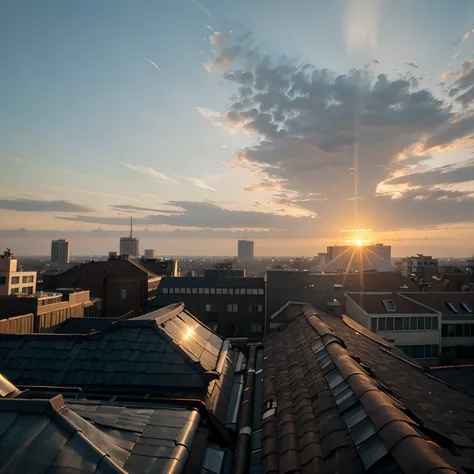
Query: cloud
{"type": "Point", "coordinates": [446, 75]}
{"type": "Point", "coordinates": [200, 184]}
{"type": "Point", "coordinates": [128, 208]}
{"type": "Point", "coordinates": [86, 191]}
{"type": "Point", "coordinates": [202, 7]}
{"type": "Point", "coordinates": [211, 216]}
{"type": "Point", "coordinates": [150, 172]}
{"type": "Point", "coordinates": [412, 65]}
{"type": "Point", "coordinates": [462, 87]}
{"type": "Point", "coordinates": [342, 135]}
{"type": "Point", "coordinates": [209, 113]}
{"type": "Point", "coordinates": [15, 158]}
{"type": "Point", "coordinates": [157, 68]}
{"type": "Point", "coordinates": [33, 205]}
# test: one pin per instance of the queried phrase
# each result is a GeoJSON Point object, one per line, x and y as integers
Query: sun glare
{"type": "Point", "coordinates": [359, 243]}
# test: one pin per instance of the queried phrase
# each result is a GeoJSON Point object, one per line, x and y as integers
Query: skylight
{"type": "Point", "coordinates": [389, 305]}
{"type": "Point", "coordinates": [466, 307]}
{"type": "Point", "coordinates": [452, 307]}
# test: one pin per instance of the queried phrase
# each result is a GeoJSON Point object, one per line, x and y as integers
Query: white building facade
{"type": "Point", "coordinates": [12, 281]}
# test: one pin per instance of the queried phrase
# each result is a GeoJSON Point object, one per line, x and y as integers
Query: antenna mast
{"type": "Point", "coordinates": [131, 227]}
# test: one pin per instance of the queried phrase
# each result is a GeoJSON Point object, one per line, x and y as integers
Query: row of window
{"type": "Point", "coordinates": [421, 352]}
{"type": "Point", "coordinates": [254, 327]}
{"type": "Point", "coordinates": [457, 330]}
{"type": "Point", "coordinates": [213, 291]}
{"type": "Point", "coordinates": [26, 290]}
{"type": "Point", "coordinates": [234, 308]}
{"type": "Point", "coordinates": [16, 279]}
{"type": "Point", "coordinates": [421, 323]}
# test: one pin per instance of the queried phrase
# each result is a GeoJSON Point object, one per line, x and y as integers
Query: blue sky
{"type": "Point", "coordinates": [116, 103]}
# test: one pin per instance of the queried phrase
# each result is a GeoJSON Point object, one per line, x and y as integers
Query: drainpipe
{"type": "Point", "coordinates": [241, 459]}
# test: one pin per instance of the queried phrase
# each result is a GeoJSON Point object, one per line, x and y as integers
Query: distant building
{"type": "Point", "coordinates": [130, 245]}
{"type": "Point", "coordinates": [420, 266]}
{"type": "Point", "coordinates": [60, 251]}
{"type": "Point", "coordinates": [160, 267]}
{"type": "Point", "coordinates": [350, 258]}
{"type": "Point", "coordinates": [224, 272]}
{"type": "Point", "coordinates": [124, 285]}
{"type": "Point", "coordinates": [233, 307]}
{"type": "Point", "coordinates": [13, 281]}
{"type": "Point", "coordinates": [149, 254]}
{"type": "Point", "coordinates": [34, 313]}
{"type": "Point", "coordinates": [245, 249]}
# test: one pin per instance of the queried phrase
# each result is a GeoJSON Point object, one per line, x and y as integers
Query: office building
{"type": "Point", "coordinates": [245, 249]}
{"type": "Point", "coordinates": [149, 254]}
{"type": "Point", "coordinates": [231, 306]}
{"type": "Point", "coordinates": [60, 251]}
{"type": "Point", "coordinates": [421, 267]}
{"type": "Point", "coordinates": [361, 258]}
{"type": "Point", "coordinates": [12, 280]}
{"type": "Point", "coordinates": [130, 246]}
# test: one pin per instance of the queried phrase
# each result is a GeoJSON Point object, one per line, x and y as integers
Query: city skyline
{"type": "Point", "coordinates": [292, 126]}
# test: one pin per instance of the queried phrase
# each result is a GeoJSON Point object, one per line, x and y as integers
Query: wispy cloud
{"type": "Point", "coordinates": [150, 172]}
{"type": "Point", "coordinates": [86, 191]}
{"type": "Point", "coordinates": [209, 113]}
{"type": "Point", "coordinates": [210, 27]}
{"type": "Point", "coordinates": [15, 158]}
{"type": "Point", "coordinates": [202, 7]}
{"type": "Point", "coordinates": [147, 195]}
{"type": "Point", "coordinates": [157, 68]}
{"type": "Point", "coordinates": [200, 184]}
{"type": "Point", "coordinates": [35, 205]}
{"type": "Point", "coordinates": [128, 208]}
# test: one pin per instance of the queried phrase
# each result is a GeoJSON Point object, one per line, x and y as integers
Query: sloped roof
{"type": "Point", "coordinates": [80, 325]}
{"type": "Point", "coordinates": [336, 400]}
{"type": "Point", "coordinates": [460, 376]}
{"type": "Point", "coordinates": [438, 301]}
{"type": "Point", "coordinates": [375, 282]}
{"type": "Point", "coordinates": [165, 349]}
{"type": "Point", "coordinates": [48, 436]}
{"type": "Point", "coordinates": [372, 303]}
{"type": "Point", "coordinates": [211, 282]}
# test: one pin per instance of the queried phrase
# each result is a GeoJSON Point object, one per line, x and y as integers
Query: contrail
{"type": "Point", "coordinates": [156, 66]}
{"type": "Point", "coordinates": [202, 7]}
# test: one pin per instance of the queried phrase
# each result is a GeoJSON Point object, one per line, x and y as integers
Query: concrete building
{"type": "Point", "coordinates": [351, 258]}
{"type": "Point", "coordinates": [123, 285]}
{"type": "Point", "coordinates": [420, 266]}
{"type": "Point", "coordinates": [149, 254]}
{"type": "Point", "coordinates": [404, 320]}
{"type": "Point", "coordinates": [233, 307]}
{"type": "Point", "coordinates": [160, 267]}
{"type": "Point", "coordinates": [60, 251]}
{"type": "Point", "coordinates": [12, 280]}
{"type": "Point", "coordinates": [34, 313]}
{"type": "Point", "coordinates": [322, 289]}
{"type": "Point", "coordinates": [130, 246]}
{"type": "Point", "coordinates": [245, 249]}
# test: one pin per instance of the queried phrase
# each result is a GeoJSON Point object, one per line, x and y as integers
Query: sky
{"type": "Point", "coordinates": [298, 124]}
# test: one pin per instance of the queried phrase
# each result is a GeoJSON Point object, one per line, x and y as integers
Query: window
{"type": "Point", "coordinates": [224, 291]}
{"type": "Point", "coordinates": [434, 322]}
{"type": "Point", "coordinates": [381, 324]}
{"type": "Point", "coordinates": [219, 291]}
{"type": "Point", "coordinates": [428, 322]}
{"type": "Point", "coordinates": [261, 291]}
{"type": "Point", "coordinates": [465, 307]}
{"type": "Point", "coordinates": [194, 291]}
{"type": "Point", "coordinates": [15, 280]}
{"type": "Point", "coordinates": [15, 291]}
{"type": "Point", "coordinates": [421, 352]}
{"type": "Point", "coordinates": [183, 291]}
{"type": "Point", "coordinates": [200, 291]}
{"type": "Point", "coordinates": [255, 308]}
{"type": "Point", "coordinates": [231, 291]}
{"type": "Point", "coordinates": [421, 323]}
{"type": "Point", "coordinates": [27, 290]}
{"type": "Point", "coordinates": [249, 291]}
{"type": "Point", "coordinates": [3, 280]}
{"type": "Point", "coordinates": [213, 325]}
{"type": "Point", "coordinates": [171, 291]}
{"type": "Point", "coordinates": [389, 324]}
{"type": "Point", "coordinates": [237, 291]}
{"type": "Point", "coordinates": [466, 330]}
{"type": "Point", "coordinates": [255, 328]}
{"type": "Point", "coordinates": [188, 291]}
{"type": "Point", "coordinates": [206, 291]}
{"type": "Point", "coordinates": [406, 324]}
{"type": "Point", "coordinates": [123, 294]}
{"type": "Point", "coordinates": [177, 291]}
{"type": "Point", "coordinates": [452, 307]}
{"type": "Point", "coordinates": [451, 330]}
{"type": "Point", "coordinates": [413, 325]}
{"type": "Point", "coordinates": [164, 291]}
{"type": "Point", "coordinates": [399, 324]}
{"type": "Point", "coordinates": [210, 308]}
{"type": "Point", "coordinates": [232, 308]}
{"type": "Point", "coordinates": [255, 291]}
{"type": "Point", "coordinates": [373, 324]}
{"type": "Point", "coordinates": [458, 330]}
{"type": "Point", "coordinates": [444, 330]}
{"type": "Point", "coordinates": [389, 305]}
{"type": "Point", "coordinates": [213, 291]}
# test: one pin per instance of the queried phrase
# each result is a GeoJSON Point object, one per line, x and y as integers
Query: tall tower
{"type": "Point", "coordinates": [60, 251]}
{"type": "Point", "coordinates": [245, 249]}
{"type": "Point", "coordinates": [130, 245]}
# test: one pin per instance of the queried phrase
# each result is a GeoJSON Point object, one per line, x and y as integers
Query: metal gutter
{"type": "Point", "coordinates": [241, 461]}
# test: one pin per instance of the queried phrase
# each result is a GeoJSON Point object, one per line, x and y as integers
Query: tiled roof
{"type": "Point", "coordinates": [336, 400]}
{"type": "Point", "coordinates": [166, 349]}
{"type": "Point", "coordinates": [80, 325]}
{"type": "Point", "coordinates": [460, 376]}
{"type": "Point", "coordinates": [373, 303]}
{"type": "Point", "coordinates": [376, 282]}
{"type": "Point", "coordinates": [49, 436]}
{"type": "Point", "coordinates": [438, 301]}
{"type": "Point", "coordinates": [202, 282]}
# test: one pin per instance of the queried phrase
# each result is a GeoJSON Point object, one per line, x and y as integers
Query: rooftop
{"type": "Point", "coordinates": [216, 282]}
{"type": "Point", "coordinates": [372, 303]}
{"type": "Point", "coordinates": [454, 305]}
